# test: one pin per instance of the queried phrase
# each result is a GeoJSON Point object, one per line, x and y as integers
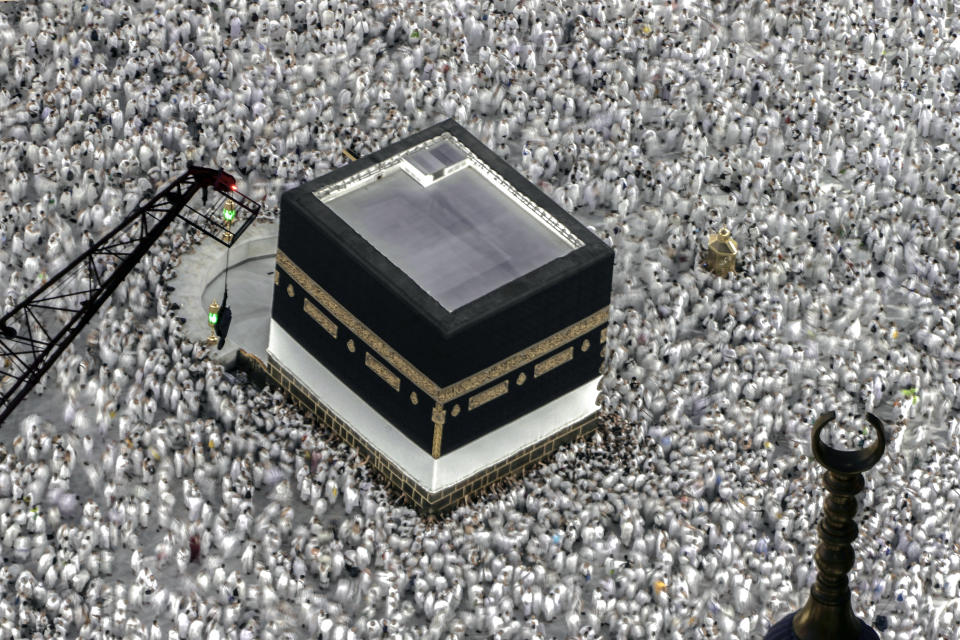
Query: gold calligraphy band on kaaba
{"type": "Point", "coordinates": [438, 416]}
{"type": "Point", "coordinates": [552, 362]}
{"type": "Point", "coordinates": [418, 378]}
{"type": "Point", "coordinates": [487, 395]}
{"type": "Point", "coordinates": [381, 370]}
{"type": "Point", "coordinates": [320, 317]}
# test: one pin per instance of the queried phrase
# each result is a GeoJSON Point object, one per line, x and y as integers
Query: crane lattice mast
{"type": "Point", "coordinates": [35, 332]}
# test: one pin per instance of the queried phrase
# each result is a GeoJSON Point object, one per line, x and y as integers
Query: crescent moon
{"type": "Point", "coordinates": [847, 461]}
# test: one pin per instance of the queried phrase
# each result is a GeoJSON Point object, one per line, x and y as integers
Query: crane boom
{"type": "Point", "coordinates": [37, 330]}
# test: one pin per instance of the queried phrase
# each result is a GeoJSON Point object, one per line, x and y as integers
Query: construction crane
{"type": "Point", "coordinates": [35, 332]}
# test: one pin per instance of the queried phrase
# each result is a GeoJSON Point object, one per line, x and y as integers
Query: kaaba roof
{"type": "Point", "coordinates": [448, 225]}
{"type": "Point", "coordinates": [440, 215]}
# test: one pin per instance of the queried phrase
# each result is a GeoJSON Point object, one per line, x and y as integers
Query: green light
{"type": "Point", "coordinates": [229, 214]}
{"type": "Point", "coordinates": [213, 317]}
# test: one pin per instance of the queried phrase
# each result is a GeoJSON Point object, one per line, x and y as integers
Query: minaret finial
{"type": "Point", "coordinates": [828, 612]}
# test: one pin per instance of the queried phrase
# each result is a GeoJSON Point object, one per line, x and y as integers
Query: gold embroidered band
{"type": "Point", "coordinates": [381, 370]}
{"type": "Point", "coordinates": [320, 317]}
{"type": "Point", "coordinates": [438, 416]}
{"type": "Point", "coordinates": [414, 375]}
{"type": "Point", "coordinates": [553, 362]}
{"type": "Point", "coordinates": [487, 395]}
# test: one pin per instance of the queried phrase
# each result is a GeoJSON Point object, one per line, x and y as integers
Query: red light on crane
{"type": "Point", "coordinates": [225, 181]}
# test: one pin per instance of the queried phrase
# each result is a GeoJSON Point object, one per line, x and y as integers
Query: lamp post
{"type": "Point", "coordinates": [828, 613]}
{"type": "Point", "coordinates": [229, 215]}
{"type": "Point", "coordinates": [213, 316]}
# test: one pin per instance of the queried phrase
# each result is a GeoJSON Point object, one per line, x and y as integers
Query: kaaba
{"type": "Point", "coordinates": [440, 313]}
